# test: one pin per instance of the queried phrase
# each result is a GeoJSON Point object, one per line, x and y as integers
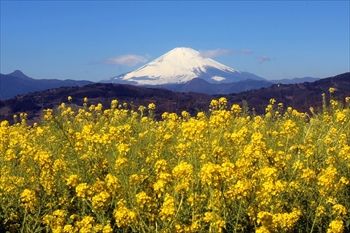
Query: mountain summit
{"type": "Point", "coordinates": [181, 65]}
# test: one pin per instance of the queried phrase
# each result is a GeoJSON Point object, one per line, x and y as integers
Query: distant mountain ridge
{"type": "Point", "coordinates": [17, 83]}
{"type": "Point", "coordinates": [198, 85]}
{"type": "Point", "coordinates": [294, 80]}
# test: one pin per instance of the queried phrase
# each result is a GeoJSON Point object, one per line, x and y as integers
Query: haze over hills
{"type": "Point", "coordinates": [300, 96]}
{"type": "Point", "coordinates": [17, 83]}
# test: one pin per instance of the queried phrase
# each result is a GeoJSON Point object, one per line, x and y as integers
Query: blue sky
{"type": "Point", "coordinates": [96, 40]}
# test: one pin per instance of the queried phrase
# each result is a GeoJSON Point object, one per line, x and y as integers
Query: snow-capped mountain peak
{"type": "Point", "coordinates": [180, 65]}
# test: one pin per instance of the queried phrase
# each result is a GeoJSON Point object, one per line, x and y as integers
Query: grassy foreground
{"type": "Point", "coordinates": [117, 170]}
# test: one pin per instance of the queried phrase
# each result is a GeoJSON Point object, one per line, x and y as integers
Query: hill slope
{"type": "Point", "coordinates": [300, 96]}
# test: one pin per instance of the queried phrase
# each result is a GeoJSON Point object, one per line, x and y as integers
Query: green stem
{"type": "Point", "coordinates": [237, 217]}
{"type": "Point", "coordinates": [313, 224]}
{"type": "Point", "coordinates": [24, 221]}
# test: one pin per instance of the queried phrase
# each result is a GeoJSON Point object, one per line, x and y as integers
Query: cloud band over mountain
{"type": "Point", "coordinates": [127, 60]}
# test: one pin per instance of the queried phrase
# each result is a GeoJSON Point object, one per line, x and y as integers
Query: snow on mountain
{"type": "Point", "coordinates": [181, 65]}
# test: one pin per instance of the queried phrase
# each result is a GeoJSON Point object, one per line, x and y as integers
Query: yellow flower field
{"type": "Point", "coordinates": [98, 169]}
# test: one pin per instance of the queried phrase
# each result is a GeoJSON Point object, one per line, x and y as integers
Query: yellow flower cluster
{"type": "Point", "coordinates": [116, 169]}
{"type": "Point", "coordinates": [123, 216]}
{"type": "Point", "coordinates": [168, 208]}
{"type": "Point", "coordinates": [280, 222]}
{"type": "Point", "coordinates": [28, 200]}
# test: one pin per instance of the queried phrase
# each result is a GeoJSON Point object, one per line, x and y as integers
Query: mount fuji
{"type": "Point", "coordinates": [180, 66]}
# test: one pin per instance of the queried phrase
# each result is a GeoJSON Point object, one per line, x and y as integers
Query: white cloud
{"type": "Point", "coordinates": [263, 59]}
{"type": "Point", "coordinates": [127, 60]}
{"type": "Point", "coordinates": [212, 53]}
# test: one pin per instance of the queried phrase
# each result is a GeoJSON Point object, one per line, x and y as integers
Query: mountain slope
{"type": "Point", "coordinates": [17, 83]}
{"type": "Point", "coordinates": [181, 65]}
{"type": "Point", "coordinates": [201, 86]}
